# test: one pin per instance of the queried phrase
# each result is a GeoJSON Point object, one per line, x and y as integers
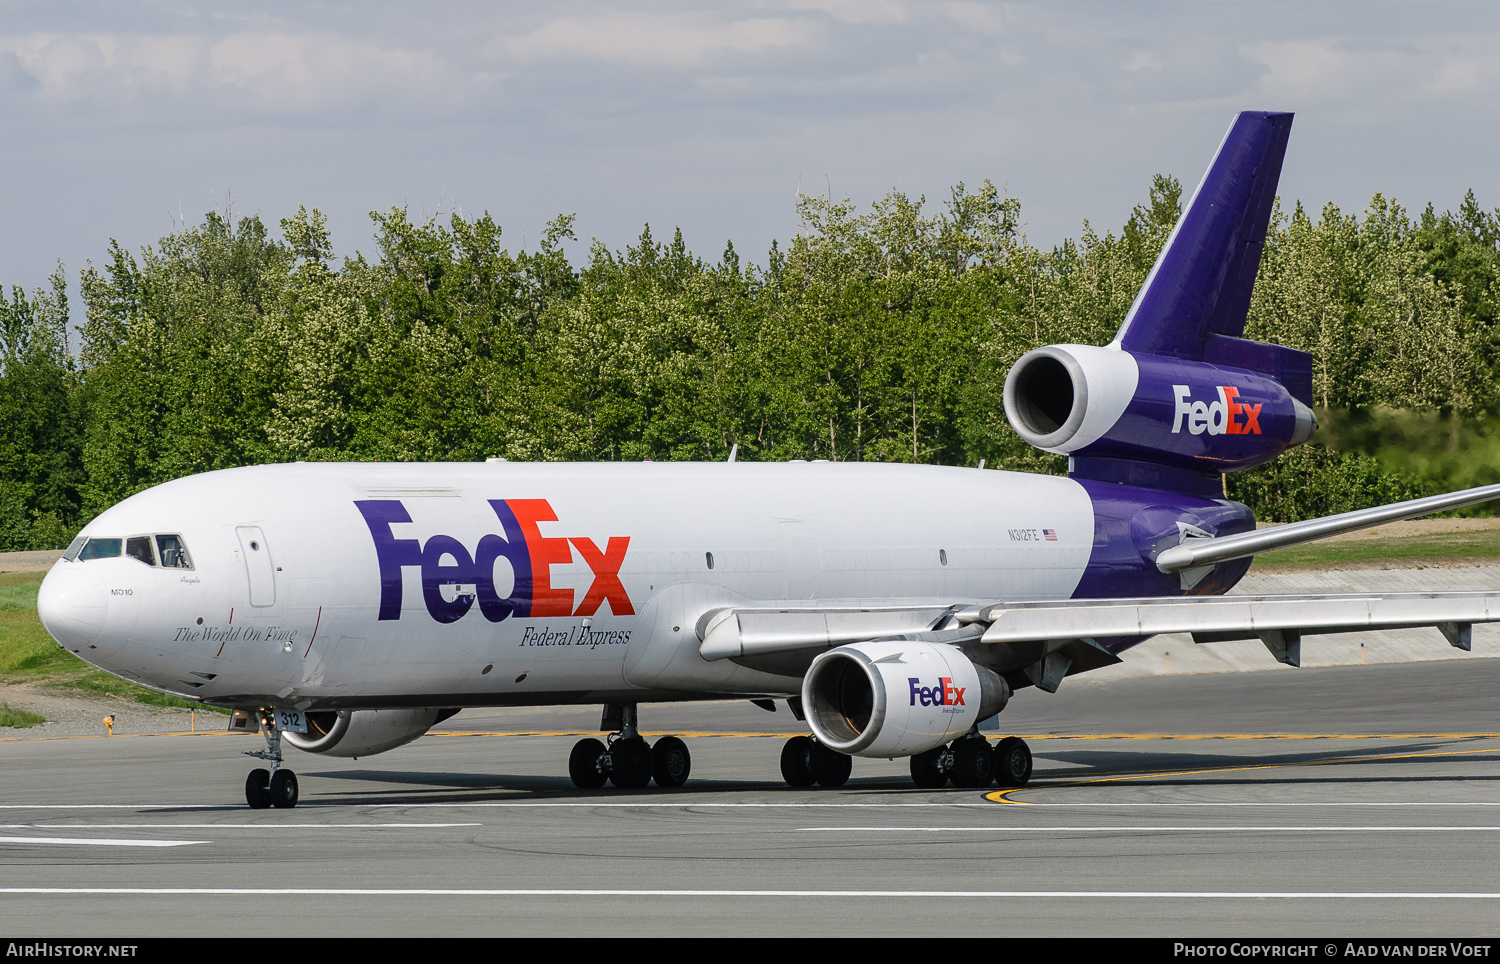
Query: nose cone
{"type": "Point", "coordinates": [72, 604]}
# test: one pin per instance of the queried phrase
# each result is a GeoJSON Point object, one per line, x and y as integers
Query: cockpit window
{"type": "Point", "coordinates": [74, 547]}
{"type": "Point", "coordinates": [139, 547]}
{"type": "Point", "coordinates": [174, 554]}
{"type": "Point", "coordinates": [101, 549]}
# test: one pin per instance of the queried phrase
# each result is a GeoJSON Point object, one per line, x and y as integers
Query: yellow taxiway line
{"type": "Point", "coordinates": [1003, 796]}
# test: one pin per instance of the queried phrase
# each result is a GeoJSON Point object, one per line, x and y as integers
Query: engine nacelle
{"type": "Point", "coordinates": [365, 732]}
{"type": "Point", "coordinates": [898, 697]}
{"type": "Point", "coordinates": [1107, 403]}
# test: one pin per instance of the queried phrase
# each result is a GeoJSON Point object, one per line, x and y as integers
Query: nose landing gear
{"type": "Point", "coordinates": [627, 760]}
{"type": "Point", "coordinates": [274, 787]}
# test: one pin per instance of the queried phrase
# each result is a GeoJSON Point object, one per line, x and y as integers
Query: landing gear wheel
{"type": "Point", "coordinates": [670, 762]}
{"type": "Point", "coordinates": [258, 789]}
{"type": "Point", "coordinates": [926, 771]}
{"type": "Point", "coordinates": [1013, 762]}
{"type": "Point", "coordinates": [829, 767]}
{"type": "Point", "coordinates": [283, 790]}
{"type": "Point", "coordinates": [583, 765]}
{"type": "Point", "coordinates": [630, 764]}
{"type": "Point", "coordinates": [796, 762]}
{"type": "Point", "coordinates": [974, 763]}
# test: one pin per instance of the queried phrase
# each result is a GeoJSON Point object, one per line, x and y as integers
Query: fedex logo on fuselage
{"type": "Point", "coordinates": [1223, 417]}
{"type": "Point", "coordinates": [943, 694]}
{"type": "Point", "coordinates": [530, 554]}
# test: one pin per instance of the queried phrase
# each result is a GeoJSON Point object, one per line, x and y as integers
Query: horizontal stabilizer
{"type": "Point", "coordinates": [1194, 553]}
{"type": "Point", "coordinates": [1237, 617]}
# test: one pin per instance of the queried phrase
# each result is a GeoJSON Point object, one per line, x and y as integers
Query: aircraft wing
{"type": "Point", "coordinates": [1195, 553]}
{"type": "Point", "coordinates": [1278, 621]}
{"type": "Point", "coordinates": [1052, 638]}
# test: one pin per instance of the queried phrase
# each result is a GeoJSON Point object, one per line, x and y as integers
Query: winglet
{"type": "Point", "coordinates": [1201, 283]}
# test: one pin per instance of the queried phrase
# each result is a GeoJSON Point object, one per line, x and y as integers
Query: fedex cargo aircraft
{"type": "Point", "coordinates": [345, 609]}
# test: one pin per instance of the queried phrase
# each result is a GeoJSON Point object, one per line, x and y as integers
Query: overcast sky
{"type": "Point", "coordinates": [119, 115]}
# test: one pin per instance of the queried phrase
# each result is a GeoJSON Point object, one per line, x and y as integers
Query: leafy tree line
{"type": "Point", "coordinates": [878, 335]}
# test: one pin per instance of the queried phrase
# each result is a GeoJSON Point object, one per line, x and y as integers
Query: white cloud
{"type": "Point", "coordinates": [1415, 69]}
{"type": "Point", "coordinates": [282, 72]}
{"type": "Point", "coordinates": [654, 40]}
{"type": "Point", "coordinates": [857, 11]}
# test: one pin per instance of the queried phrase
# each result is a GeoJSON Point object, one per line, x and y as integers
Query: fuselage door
{"type": "Point", "coordinates": [258, 568]}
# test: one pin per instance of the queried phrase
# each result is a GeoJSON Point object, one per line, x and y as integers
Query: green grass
{"type": "Point", "coordinates": [29, 655]}
{"type": "Point", "coordinates": [18, 590]}
{"type": "Point", "coordinates": [19, 719]}
{"type": "Point", "coordinates": [1476, 547]}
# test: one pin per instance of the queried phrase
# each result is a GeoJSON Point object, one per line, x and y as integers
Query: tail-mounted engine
{"type": "Point", "coordinates": [1179, 396]}
{"type": "Point", "coordinates": [1109, 403]}
{"type": "Point", "coordinates": [365, 732]}
{"type": "Point", "coordinates": [897, 698]}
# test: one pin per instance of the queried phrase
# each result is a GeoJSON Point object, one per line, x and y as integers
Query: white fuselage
{"type": "Point", "coordinates": [283, 601]}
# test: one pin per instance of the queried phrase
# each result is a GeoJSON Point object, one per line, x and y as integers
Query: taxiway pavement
{"type": "Point", "coordinates": [1345, 800]}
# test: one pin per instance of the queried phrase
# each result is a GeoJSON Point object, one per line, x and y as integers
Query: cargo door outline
{"type": "Point", "coordinates": [260, 573]}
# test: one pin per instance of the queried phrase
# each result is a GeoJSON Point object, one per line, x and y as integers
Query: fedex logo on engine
{"type": "Point", "coordinates": [530, 554]}
{"type": "Point", "coordinates": [1227, 416]}
{"type": "Point", "coordinates": [943, 694]}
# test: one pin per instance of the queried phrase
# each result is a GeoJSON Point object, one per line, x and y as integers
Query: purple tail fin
{"type": "Point", "coordinates": [1200, 286]}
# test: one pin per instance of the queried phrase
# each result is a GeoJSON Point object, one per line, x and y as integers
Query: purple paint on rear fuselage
{"type": "Point", "coordinates": [1132, 524]}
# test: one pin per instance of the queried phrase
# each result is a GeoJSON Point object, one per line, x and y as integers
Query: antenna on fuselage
{"type": "Point", "coordinates": [734, 451]}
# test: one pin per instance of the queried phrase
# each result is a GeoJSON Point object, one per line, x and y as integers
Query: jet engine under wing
{"type": "Point", "coordinates": [1278, 621]}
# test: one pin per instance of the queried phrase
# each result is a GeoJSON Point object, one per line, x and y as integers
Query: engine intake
{"type": "Point", "coordinates": [898, 697]}
{"type": "Point", "coordinates": [365, 732]}
{"type": "Point", "coordinates": [1106, 403]}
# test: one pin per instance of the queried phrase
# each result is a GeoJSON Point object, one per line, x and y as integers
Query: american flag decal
{"type": "Point", "coordinates": [1050, 534]}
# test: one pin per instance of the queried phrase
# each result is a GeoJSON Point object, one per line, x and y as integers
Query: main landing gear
{"type": "Point", "coordinates": [804, 761]}
{"type": "Point", "coordinates": [274, 787]}
{"type": "Point", "coordinates": [627, 760]}
{"type": "Point", "coordinates": [972, 763]}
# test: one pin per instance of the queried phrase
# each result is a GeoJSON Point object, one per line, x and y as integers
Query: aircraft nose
{"type": "Point", "coordinates": [72, 604]}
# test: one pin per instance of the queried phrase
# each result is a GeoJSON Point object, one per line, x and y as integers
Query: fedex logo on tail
{"type": "Point", "coordinates": [943, 694]}
{"type": "Point", "coordinates": [530, 554]}
{"type": "Point", "coordinates": [1227, 416]}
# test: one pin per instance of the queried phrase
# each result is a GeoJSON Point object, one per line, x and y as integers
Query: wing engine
{"type": "Point", "coordinates": [897, 697]}
{"type": "Point", "coordinates": [358, 733]}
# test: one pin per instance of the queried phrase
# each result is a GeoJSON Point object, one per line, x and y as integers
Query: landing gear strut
{"type": "Point", "coordinates": [627, 760]}
{"type": "Point", "coordinates": [274, 787]}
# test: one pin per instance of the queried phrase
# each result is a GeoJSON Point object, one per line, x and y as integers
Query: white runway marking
{"type": "Point", "coordinates": [1284, 803]}
{"type": "Point", "coordinates": [232, 826]}
{"type": "Point", "coordinates": [1022, 828]}
{"type": "Point", "coordinates": [745, 893]}
{"type": "Point", "coordinates": [712, 805]}
{"type": "Point", "coordinates": [99, 841]}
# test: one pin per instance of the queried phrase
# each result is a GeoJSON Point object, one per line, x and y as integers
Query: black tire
{"type": "Point", "coordinates": [829, 767]}
{"type": "Point", "coordinates": [796, 762]}
{"type": "Point", "coordinates": [925, 771]}
{"type": "Point", "coordinates": [258, 789]}
{"type": "Point", "coordinates": [973, 764]}
{"type": "Point", "coordinates": [283, 790]}
{"type": "Point", "coordinates": [583, 765]}
{"type": "Point", "coordinates": [630, 764]}
{"type": "Point", "coordinates": [1013, 762]}
{"type": "Point", "coordinates": [670, 762]}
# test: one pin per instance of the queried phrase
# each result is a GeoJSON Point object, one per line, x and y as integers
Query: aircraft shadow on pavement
{"type": "Point", "coordinates": [429, 787]}
{"type": "Point", "coordinates": [1137, 760]}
